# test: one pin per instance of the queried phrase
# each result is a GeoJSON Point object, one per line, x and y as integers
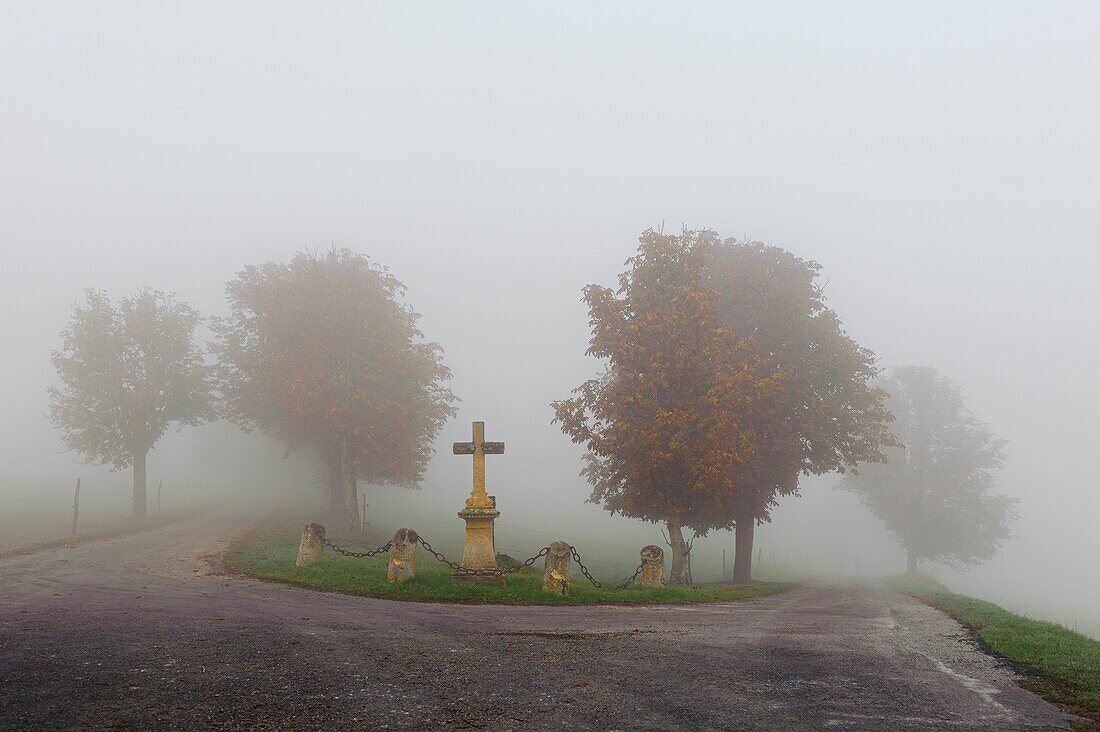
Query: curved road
{"type": "Point", "coordinates": [144, 633]}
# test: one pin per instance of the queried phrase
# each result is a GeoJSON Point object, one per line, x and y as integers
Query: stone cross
{"type": "Point", "coordinates": [479, 448]}
{"type": "Point", "coordinates": [479, 513]}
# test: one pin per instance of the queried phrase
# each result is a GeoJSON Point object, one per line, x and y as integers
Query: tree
{"type": "Point", "coordinates": [660, 425]}
{"type": "Point", "coordinates": [127, 373]}
{"type": "Point", "coordinates": [322, 352]}
{"type": "Point", "coordinates": [828, 416]}
{"type": "Point", "coordinates": [934, 490]}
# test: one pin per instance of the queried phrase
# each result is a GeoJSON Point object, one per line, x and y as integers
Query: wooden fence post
{"type": "Point", "coordinates": [159, 486]}
{"type": "Point", "coordinates": [76, 505]}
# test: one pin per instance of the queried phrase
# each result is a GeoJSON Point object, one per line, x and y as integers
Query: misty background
{"type": "Point", "coordinates": [939, 160]}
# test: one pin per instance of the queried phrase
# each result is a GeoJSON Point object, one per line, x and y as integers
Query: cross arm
{"type": "Point", "coordinates": [489, 448]}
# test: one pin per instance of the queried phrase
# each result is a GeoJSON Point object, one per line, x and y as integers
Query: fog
{"type": "Point", "coordinates": [941, 163]}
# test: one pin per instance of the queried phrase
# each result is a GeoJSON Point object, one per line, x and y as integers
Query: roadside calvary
{"type": "Point", "coordinates": [148, 632]}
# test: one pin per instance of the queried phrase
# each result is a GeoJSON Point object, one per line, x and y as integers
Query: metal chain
{"type": "Point", "coordinates": [584, 569]}
{"type": "Point", "coordinates": [470, 571]}
{"type": "Point", "coordinates": [358, 555]}
{"type": "Point", "coordinates": [528, 562]}
{"type": "Point", "coordinates": [594, 581]}
{"type": "Point", "coordinates": [630, 581]}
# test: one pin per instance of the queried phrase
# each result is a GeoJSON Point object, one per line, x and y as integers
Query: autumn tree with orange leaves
{"type": "Point", "coordinates": [322, 352]}
{"type": "Point", "coordinates": [828, 416]}
{"type": "Point", "coordinates": [663, 424]}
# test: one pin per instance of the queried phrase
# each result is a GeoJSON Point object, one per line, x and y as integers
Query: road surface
{"type": "Point", "coordinates": [144, 633]}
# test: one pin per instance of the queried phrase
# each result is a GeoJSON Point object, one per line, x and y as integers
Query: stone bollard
{"type": "Point", "coordinates": [555, 577]}
{"type": "Point", "coordinates": [402, 556]}
{"type": "Point", "coordinates": [312, 545]}
{"type": "Point", "coordinates": [653, 566]}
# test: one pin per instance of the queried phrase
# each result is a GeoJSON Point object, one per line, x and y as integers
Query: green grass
{"type": "Point", "coordinates": [270, 554]}
{"type": "Point", "coordinates": [1063, 666]}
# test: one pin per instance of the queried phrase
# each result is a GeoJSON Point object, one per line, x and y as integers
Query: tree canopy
{"type": "Point", "coordinates": [727, 378]}
{"type": "Point", "coordinates": [933, 493]}
{"type": "Point", "coordinates": [662, 425]}
{"type": "Point", "coordinates": [828, 416]}
{"type": "Point", "coordinates": [323, 352]}
{"type": "Point", "coordinates": [127, 372]}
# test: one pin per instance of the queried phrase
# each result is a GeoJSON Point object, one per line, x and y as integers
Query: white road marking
{"type": "Point", "coordinates": [972, 684]}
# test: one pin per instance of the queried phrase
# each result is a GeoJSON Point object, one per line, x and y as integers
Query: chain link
{"type": "Point", "coordinates": [358, 555]}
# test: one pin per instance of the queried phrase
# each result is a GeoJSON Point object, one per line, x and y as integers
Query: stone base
{"type": "Point", "coordinates": [478, 551]}
{"type": "Point", "coordinates": [480, 579]}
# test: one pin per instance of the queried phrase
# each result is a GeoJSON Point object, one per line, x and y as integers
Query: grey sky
{"type": "Point", "coordinates": [940, 160]}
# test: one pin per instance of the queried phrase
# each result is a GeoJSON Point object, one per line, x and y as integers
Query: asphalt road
{"type": "Point", "coordinates": [144, 633]}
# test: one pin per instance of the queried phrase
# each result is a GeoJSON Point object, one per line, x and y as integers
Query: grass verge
{"type": "Point", "coordinates": [270, 554]}
{"type": "Point", "coordinates": [1063, 667]}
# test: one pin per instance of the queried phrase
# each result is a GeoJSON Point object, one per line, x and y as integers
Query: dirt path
{"type": "Point", "coordinates": [138, 633]}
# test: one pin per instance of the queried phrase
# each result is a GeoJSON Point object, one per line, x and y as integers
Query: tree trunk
{"type": "Point", "coordinates": [911, 563]}
{"type": "Point", "coordinates": [139, 484]}
{"type": "Point", "coordinates": [343, 505]}
{"type": "Point", "coordinates": [681, 557]}
{"type": "Point", "coordinates": [744, 530]}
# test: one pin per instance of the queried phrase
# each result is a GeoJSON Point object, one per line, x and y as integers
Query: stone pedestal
{"type": "Point", "coordinates": [402, 567]}
{"type": "Point", "coordinates": [311, 546]}
{"type": "Point", "coordinates": [555, 575]}
{"type": "Point", "coordinates": [478, 551]}
{"type": "Point", "coordinates": [653, 566]}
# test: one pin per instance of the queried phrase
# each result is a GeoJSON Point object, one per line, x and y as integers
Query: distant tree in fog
{"type": "Point", "coordinates": [934, 492]}
{"type": "Point", "coordinates": [662, 425]}
{"type": "Point", "coordinates": [322, 352]}
{"type": "Point", "coordinates": [127, 373]}
{"type": "Point", "coordinates": [827, 416]}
